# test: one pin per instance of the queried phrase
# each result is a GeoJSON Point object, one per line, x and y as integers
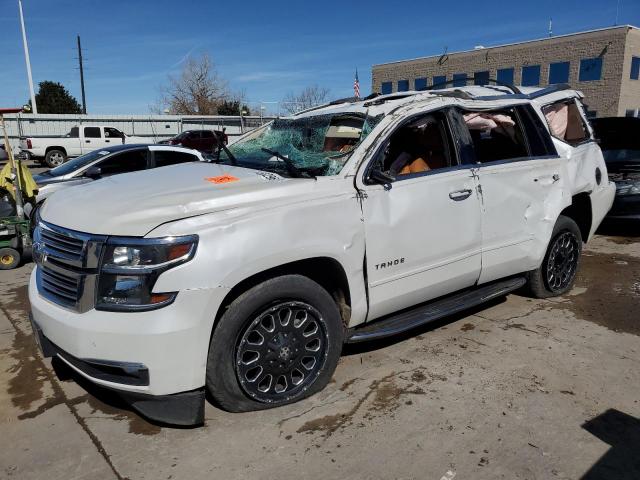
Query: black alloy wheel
{"type": "Point", "coordinates": [281, 352]}
{"type": "Point", "coordinates": [562, 262]}
{"type": "Point", "coordinates": [276, 343]}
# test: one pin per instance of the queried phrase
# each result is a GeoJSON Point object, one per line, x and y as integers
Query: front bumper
{"type": "Point", "coordinates": [150, 358]}
{"type": "Point", "coordinates": [184, 409]}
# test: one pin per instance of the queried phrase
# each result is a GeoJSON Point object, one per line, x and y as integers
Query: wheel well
{"type": "Point", "coordinates": [327, 272]}
{"type": "Point", "coordinates": [62, 149]}
{"type": "Point", "coordinates": [580, 212]}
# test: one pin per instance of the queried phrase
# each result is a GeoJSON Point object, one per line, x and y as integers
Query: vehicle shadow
{"type": "Point", "coordinates": [622, 432]}
{"type": "Point", "coordinates": [619, 228]}
{"type": "Point", "coordinates": [372, 345]}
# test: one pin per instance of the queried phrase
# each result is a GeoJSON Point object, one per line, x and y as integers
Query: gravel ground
{"type": "Point", "coordinates": [517, 389]}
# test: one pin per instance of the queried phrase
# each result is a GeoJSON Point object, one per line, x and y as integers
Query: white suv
{"type": "Point", "coordinates": [351, 221]}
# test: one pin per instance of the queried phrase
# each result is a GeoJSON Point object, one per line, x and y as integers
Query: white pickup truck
{"type": "Point", "coordinates": [54, 151]}
{"type": "Point", "coordinates": [349, 222]}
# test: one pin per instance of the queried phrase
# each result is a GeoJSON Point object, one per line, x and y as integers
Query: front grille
{"type": "Point", "coordinates": [58, 285]}
{"type": "Point", "coordinates": [67, 265]}
{"type": "Point", "coordinates": [68, 247]}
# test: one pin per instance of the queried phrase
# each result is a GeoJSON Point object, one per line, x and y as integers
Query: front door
{"type": "Point", "coordinates": [423, 230]}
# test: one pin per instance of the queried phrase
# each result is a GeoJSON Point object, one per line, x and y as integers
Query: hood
{"type": "Point", "coordinates": [134, 204]}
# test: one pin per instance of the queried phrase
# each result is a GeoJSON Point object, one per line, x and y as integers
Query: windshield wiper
{"type": "Point", "coordinates": [222, 146]}
{"type": "Point", "coordinates": [291, 168]}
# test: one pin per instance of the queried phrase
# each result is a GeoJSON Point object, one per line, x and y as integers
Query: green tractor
{"type": "Point", "coordinates": [15, 239]}
{"type": "Point", "coordinates": [16, 187]}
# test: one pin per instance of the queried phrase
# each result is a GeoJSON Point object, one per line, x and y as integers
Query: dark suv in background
{"type": "Point", "coordinates": [203, 140]}
{"type": "Point", "coordinates": [619, 139]}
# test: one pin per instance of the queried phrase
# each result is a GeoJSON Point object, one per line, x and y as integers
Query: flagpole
{"type": "Point", "coordinates": [34, 107]}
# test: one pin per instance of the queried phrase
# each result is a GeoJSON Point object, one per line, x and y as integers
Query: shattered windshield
{"type": "Point", "coordinates": [318, 145]}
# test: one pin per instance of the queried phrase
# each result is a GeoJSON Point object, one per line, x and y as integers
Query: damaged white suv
{"type": "Point", "coordinates": [351, 221]}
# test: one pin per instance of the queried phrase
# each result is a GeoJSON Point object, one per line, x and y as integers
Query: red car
{"type": "Point", "coordinates": [203, 140]}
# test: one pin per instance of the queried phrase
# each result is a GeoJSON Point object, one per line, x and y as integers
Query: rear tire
{"type": "Point", "coordinates": [9, 258]}
{"type": "Point", "coordinates": [557, 273]}
{"type": "Point", "coordinates": [277, 343]}
{"type": "Point", "coordinates": [54, 158]}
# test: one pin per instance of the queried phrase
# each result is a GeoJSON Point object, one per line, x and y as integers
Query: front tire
{"type": "Point", "coordinates": [557, 273]}
{"type": "Point", "coordinates": [9, 258]}
{"type": "Point", "coordinates": [277, 343]}
{"type": "Point", "coordinates": [54, 158]}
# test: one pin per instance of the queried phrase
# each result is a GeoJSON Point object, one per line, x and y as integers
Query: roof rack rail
{"type": "Point", "coordinates": [513, 88]}
{"type": "Point", "coordinates": [391, 96]}
{"type": "Point", "coordinates": [530, 96]}
{"type": "Point", "coordinates": [338, 102]}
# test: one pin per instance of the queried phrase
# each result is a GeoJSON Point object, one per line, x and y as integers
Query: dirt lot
{"type": "Point", "coordinates": [520, 389]}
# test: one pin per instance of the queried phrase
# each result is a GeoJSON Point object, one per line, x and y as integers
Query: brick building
{"type": "Point", "coordinates": [604, 64]}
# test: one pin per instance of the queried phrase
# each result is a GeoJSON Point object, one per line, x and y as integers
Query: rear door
{"type": "Point", "coordinates": [521, 178]}
{"type": "Point", "coordinates": [93, 139]}
{"type": "Point", "coordinates": [163, 158]}
{"type": "Point", "coordinates": [74, 144]}
{"type": "Point", "coordinates": [423, 230]}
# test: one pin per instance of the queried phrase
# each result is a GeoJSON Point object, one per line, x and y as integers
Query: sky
{"type": "Point", "coordinates": [262, 48]}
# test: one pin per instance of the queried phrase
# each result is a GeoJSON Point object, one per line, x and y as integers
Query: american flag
{"type": "Point", "coordinates": [356, 86]}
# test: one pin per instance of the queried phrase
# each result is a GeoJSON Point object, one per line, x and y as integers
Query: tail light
{"type": "Point", "coordinates": [29, 144]}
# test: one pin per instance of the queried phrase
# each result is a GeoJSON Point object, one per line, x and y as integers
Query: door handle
{"type": "Point", "coordinates": [108, 141]}
{"type": "Point", "coordinates": [87, 141]}
{"type": "Point", "coordinates": [460, 194]}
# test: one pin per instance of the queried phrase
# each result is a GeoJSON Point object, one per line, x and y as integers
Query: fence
{"type": "Point", "coordinates": [155, 127]}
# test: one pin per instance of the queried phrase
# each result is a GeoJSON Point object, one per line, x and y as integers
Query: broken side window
{"type": "Point", "coordinates": [566, 123]}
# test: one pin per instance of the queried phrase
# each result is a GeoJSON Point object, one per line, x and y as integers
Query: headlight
{"type": "Point", "coordinates": [630, 187]}
{"type": "Point", "coordinates": [130, 268]}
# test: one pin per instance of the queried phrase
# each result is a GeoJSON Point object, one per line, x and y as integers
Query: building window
{"type": "Point", "coordinates": [481, 78]}
{"type": "Point", "coordinates": [459, 79]}
{"type": "Point", "coordinates": [590, 69]}
{"type": "Point", "coordinates": [387, 87]}
{"type": "Point", "coordinates": [635, 68]}
{"type": "Point", "coordinates": [440, 80]}
{"type": "Point", "coordinates": [420, 83]}
{"type": "Point", "coordinates": [505, 75]}
{"type": "Point", "coordinates": [559, 73]}
{"type": "Point", "coordinates": [403, 85]}
{"type": "Point", "coordinates": [531, 76]}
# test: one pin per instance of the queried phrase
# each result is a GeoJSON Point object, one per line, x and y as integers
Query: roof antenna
{"type": "Point", "coordinates": [551, 27]}
{"type": "Point", "coordinates": [617, 12]}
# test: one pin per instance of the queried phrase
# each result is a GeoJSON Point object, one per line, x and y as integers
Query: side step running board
{"type": "Point", "coordinates": [425, 313]}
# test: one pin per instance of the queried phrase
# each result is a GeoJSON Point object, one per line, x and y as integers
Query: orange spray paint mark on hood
{"type": "Point", "coordinates": [222, 179]}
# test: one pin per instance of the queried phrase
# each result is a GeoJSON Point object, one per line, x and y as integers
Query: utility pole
{"type": "Point", "coordinates": [84, 101]}
{"type": "Point", "coordinates": [34, 107]}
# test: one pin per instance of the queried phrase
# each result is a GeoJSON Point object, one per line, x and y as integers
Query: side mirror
{"type": "Point", "coordinates": [378, 176]}
{"type": "Point", "coordinates": [93, 173]}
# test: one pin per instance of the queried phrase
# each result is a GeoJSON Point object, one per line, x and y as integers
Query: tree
{"type": "Point", "coordinates": [198, 90]}
{"type": "Point", "coordinates": [307, 98]}
{"type": "Point", "coordinates": [52, 97]}
{"type": "Point", "coordinates": [232, 107]}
